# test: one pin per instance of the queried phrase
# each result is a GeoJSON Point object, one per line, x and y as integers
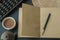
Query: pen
{"type": "Point", "coordinates": [46, 23]}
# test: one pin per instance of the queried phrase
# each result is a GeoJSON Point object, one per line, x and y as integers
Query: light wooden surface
{"type": "Point", "coordinates": [46, 3]}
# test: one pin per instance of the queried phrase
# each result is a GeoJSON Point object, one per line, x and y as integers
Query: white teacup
{"type": "Point", "coordinates": [8, 23]}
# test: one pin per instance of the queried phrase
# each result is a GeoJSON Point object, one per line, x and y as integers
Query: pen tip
{"type": "Point", "coordinates": [43, 33]}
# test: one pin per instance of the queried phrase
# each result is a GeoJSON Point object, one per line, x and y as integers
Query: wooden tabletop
{"type": "Point", "coordinates": [46, 3]}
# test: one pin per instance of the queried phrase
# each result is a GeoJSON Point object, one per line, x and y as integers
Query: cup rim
{"type": "Point", "coordinates": [10, 27]}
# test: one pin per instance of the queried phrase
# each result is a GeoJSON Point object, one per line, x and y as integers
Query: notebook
{"type": "Point", "coordinates": [29, 21]}
{"type": "Point", "coordinates": [33, 19]}
{"type": "Point", "coordinates": [53, 26]}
